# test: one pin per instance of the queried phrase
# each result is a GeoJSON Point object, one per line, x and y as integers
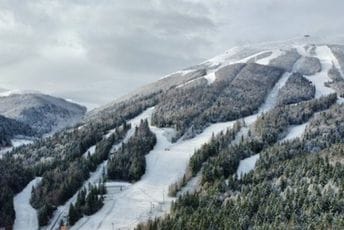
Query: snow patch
{"type": "Point", "coordinates": [91, 150]}
{"type": "Point", "coordinates": [192, 185]}
{"type": "Point", "coordinates": [295, 132]}
{"type": "Point", "coordinates": [247, 165]}
{"type": "Point", "coordinates": [210, 77]}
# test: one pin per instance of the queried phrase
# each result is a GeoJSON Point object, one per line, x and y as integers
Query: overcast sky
{"type": "Point", "coordinates": [93, 51]}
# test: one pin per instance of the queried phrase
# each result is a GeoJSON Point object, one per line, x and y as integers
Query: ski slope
{"type": "Point", "coordinates": [166, 163]}
{"type": "Point", "coordinates": [324, 54]}
{"type": "Point", "coordinates": [26, 215]}
{"type": "Point", "coordinates": [62, 211]}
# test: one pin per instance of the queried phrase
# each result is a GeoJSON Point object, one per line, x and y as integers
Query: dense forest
{"type": "Point", "coordinates": [295, 185]}
{"type": "Point", "coordinates": [88, 202]}
{"type": "Point", "coordinates": [296, 89]}
{"type": "Point", "coordinates": [238, 94]}
{"type": "Point", "coordinates": [63, 181]}
{"type": "Point", "coordinates": [129, 163]}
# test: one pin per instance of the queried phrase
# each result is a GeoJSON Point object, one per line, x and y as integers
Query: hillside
{"type": "Point", "coordinates": [252, 138]}
{"type": "Point", "coordinates": [43, 113]}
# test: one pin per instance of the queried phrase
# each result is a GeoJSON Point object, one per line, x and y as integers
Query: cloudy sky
{"type": "Point", "coordinates": [93, 51]}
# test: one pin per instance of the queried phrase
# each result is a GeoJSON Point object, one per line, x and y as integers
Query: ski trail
{"type": "Point", "coordinates": [26, 215]}
{"type": "Point", "coordinates": [336, 63]}
{"type": "Point", "coordinates": [324, 54]}
{"type": "Point", "coordinates": [148, 197]}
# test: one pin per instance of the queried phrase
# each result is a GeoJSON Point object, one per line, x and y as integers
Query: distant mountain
{"type": "Point", "coordinates": [43, 113]}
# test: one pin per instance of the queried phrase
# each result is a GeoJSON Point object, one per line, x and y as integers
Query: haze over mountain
{"type": "Point", "coordinates": [95, 51]}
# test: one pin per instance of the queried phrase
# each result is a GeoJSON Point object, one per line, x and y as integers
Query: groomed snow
{"type": "Point", "coordinates": [271, 101]}
{"type": "Point", "coordinates": [247, 165]}
{"type": "Point", "coordinates": [324, 54]}
{"type": "Point", "coordinates": [26, 215]}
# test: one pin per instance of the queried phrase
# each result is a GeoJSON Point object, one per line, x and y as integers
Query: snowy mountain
{"type": "Point", "coordinates": [43, 113]}
{"type": "Point", "coordinates": [250, 138]}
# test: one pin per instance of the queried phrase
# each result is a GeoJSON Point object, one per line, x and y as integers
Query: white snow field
{"type": "Point", "coordinates": [247, 165]}
{"type": "Point", "coordinates": [26, 215]}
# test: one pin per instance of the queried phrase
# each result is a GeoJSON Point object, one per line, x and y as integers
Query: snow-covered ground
{"type": "Point", "coordinates": [211, 77]}
{"type": "Point", "coordinates": [91, 150]}
{"type": "Point", "coordinates": [16, 142]}
{"type": "Point", "coordinates": [271, 101]}
{"type": "Point", "coordinates": [295, 131]}
{"type": "Point", "coordinates": [62, 211]}
{"type": "Point", "coordinates": [247, 165]}
{"type": "Point", "coordinates": [166, 163]}
{"type": "Point", "coordinates": [148, 197]}
{"type": "Point", "coordinates": [324, 54]}
{"type": "Point", "coordinates": [275, 54]}
{"type": "Point", "coordinates": [26, 215]}
{"type": "Point", "coordinates": [192, 184]}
